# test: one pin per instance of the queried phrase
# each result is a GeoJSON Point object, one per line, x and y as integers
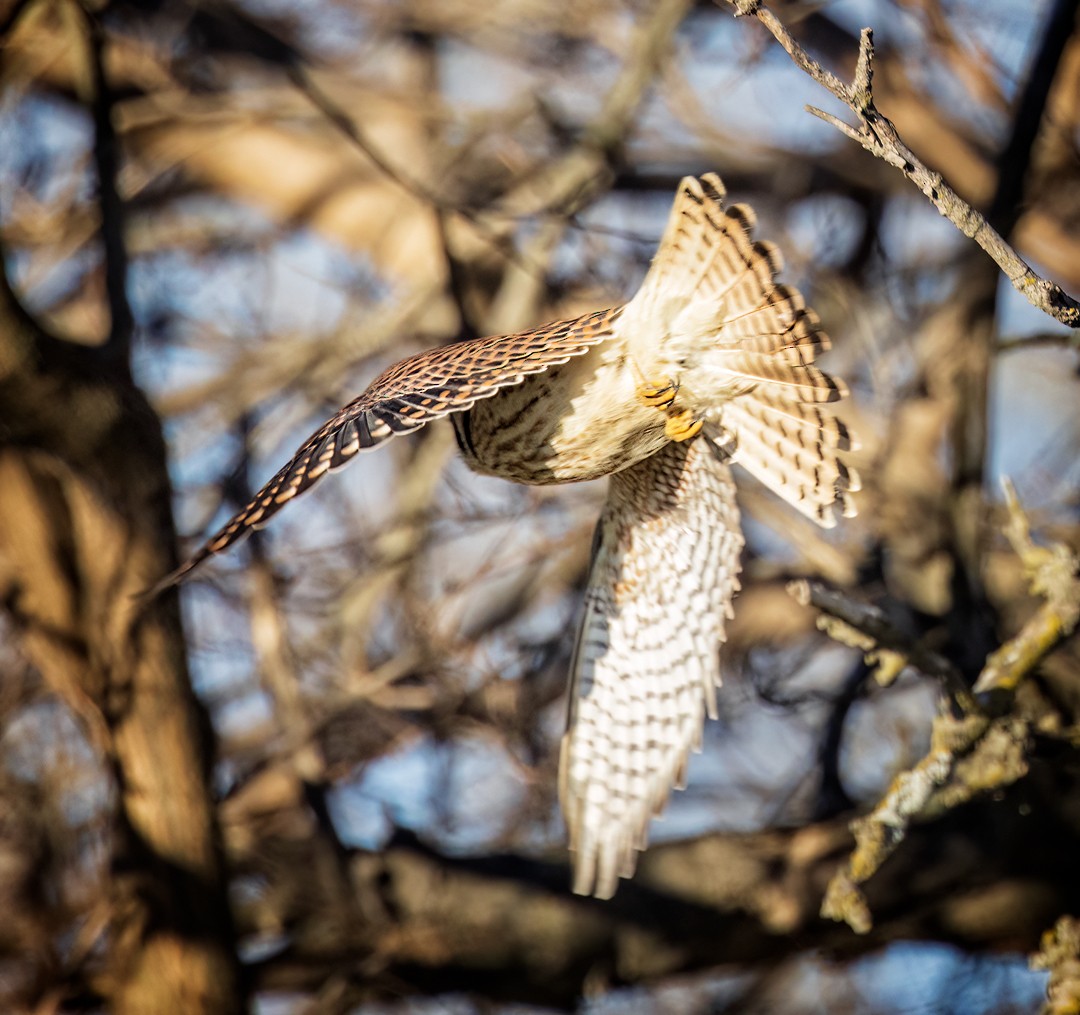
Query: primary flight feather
{"type": "Point", "coordinates": [711, 362]}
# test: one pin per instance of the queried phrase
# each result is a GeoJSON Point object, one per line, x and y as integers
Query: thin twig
{"type": "Point", "coordinates": [870, 630]}
{"type": "Point", "coordinates": [877, 134]}
{"type": "Point", "coordinates": [1059, 952]}
{"type": "Point", "coordinates": [347, 126]}
{"type": "Point", "coordinates": [969, 756]}
{"type": "Point", "coordinates": [1071, 340]}
{"type": "Point", "coordinates": [1015, 158]}
{"type": "Point", "coordinates": [10, 17]}
{"type": "Point", "coordinates": [1054, 573]}
{"type": "Point", "coordinates": [117, 347]}
{"type": "Point", "coordinates": [565, 184]}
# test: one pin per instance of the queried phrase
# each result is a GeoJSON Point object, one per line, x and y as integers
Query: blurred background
{"type": "Point", "coordinates": [332, 786]}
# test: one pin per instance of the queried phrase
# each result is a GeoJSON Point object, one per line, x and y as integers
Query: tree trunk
{"type": "Point", "coordinates": [85, 525]}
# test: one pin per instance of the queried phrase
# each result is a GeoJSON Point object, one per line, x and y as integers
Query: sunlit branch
{"type": "Point", "coordinates": [877, 134]}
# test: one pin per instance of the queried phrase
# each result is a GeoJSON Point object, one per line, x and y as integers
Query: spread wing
{"type": "Point", "coordinates": [664, 572]}
{"type": "Point", "coordinates": [408, 395]}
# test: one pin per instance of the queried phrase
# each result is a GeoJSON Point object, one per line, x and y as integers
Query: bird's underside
{"type": "Point", "coordinates": [646, 664]}
{"type": "Point", "coordinates": [711, 361]}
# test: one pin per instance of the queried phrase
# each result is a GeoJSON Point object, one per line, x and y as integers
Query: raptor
{"type": "Point", "coordinates": [711, 362]}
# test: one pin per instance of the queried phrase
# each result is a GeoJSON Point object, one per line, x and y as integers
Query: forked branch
{"type": "Point", "coordinates": [971, 753]}
{"type": "Point", "coordinates": [877, 134]}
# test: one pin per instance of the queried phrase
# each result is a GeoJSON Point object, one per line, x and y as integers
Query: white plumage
{"type": "Point", "coordinates": [710, 343]}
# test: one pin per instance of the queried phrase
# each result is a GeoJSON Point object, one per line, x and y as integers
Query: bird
{"type": "Point", "coordinates": [711, 363]}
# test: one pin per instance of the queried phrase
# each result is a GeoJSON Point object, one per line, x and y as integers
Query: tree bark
{"type": "Point", "coordinates": [85, 525]}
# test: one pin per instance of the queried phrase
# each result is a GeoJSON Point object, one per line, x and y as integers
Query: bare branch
{"type": "Point", "coordinates": [1045, 338]}
{"type": "Point", "coordinates": [866, 627]}
{"type": "Point", "coordinates": [878, 136]}
{"type": "Point", "coordinates": [117, 347]}
{"type": "Point", "coordinates": [971, 754]}
{"type": "Point", "coordinates": [968, 756]}
{"type": "Point", "coordinates": [1060, 953]}
{"type": "Point", "coordinates": [1053, 572]}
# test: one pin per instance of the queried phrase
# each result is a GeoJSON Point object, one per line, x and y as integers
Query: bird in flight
{"type": "Point", "coordinates": [711, 362]}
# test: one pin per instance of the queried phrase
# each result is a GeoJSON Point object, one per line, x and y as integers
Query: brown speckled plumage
{"type": "Point", "coordinates": [578, 399]}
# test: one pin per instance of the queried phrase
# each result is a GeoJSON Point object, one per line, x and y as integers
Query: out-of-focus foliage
{"type": "Point", "coordinates": [310, 192]}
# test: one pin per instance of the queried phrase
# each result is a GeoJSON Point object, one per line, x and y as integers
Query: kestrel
{"type": "Point", "coordinates": [711, 362]}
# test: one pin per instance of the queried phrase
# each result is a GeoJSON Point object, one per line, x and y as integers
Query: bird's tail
{"type": "Point", "coordinates": [745, 347]}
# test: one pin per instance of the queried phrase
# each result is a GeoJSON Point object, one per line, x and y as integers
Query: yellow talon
{"type": "Point", "coordinates": [658, 393]}
{"type": "Point", "coordinates": [681, 426]}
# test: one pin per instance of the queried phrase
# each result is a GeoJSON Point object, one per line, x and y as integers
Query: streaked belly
{"type": "Point", "coordinates": [578, 421]}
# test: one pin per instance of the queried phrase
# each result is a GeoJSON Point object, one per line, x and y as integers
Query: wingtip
{"type": "Point", "coordinates": [146, 598]}
{"type": "Point", "coordinates": [714, 185]}
{"type": "Point", "coordinates": [590, 880]}
{"type": "Point", "coordinates": [173, 578]}
{"type": "Point", "coordinates": [707, 187]}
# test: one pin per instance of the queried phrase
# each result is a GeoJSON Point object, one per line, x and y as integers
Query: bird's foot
{"type": "Point", "coordinates": [682, 426]}
{"type": "Point", "coordinates": [661, 393]}
{"type": "Point", "coordinates": [658, 393]}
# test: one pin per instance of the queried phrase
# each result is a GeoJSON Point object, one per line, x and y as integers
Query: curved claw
{"type": "Point", "coordinates": [682, 426]}
{"type": "Point", "coordinates": [658, 393]}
